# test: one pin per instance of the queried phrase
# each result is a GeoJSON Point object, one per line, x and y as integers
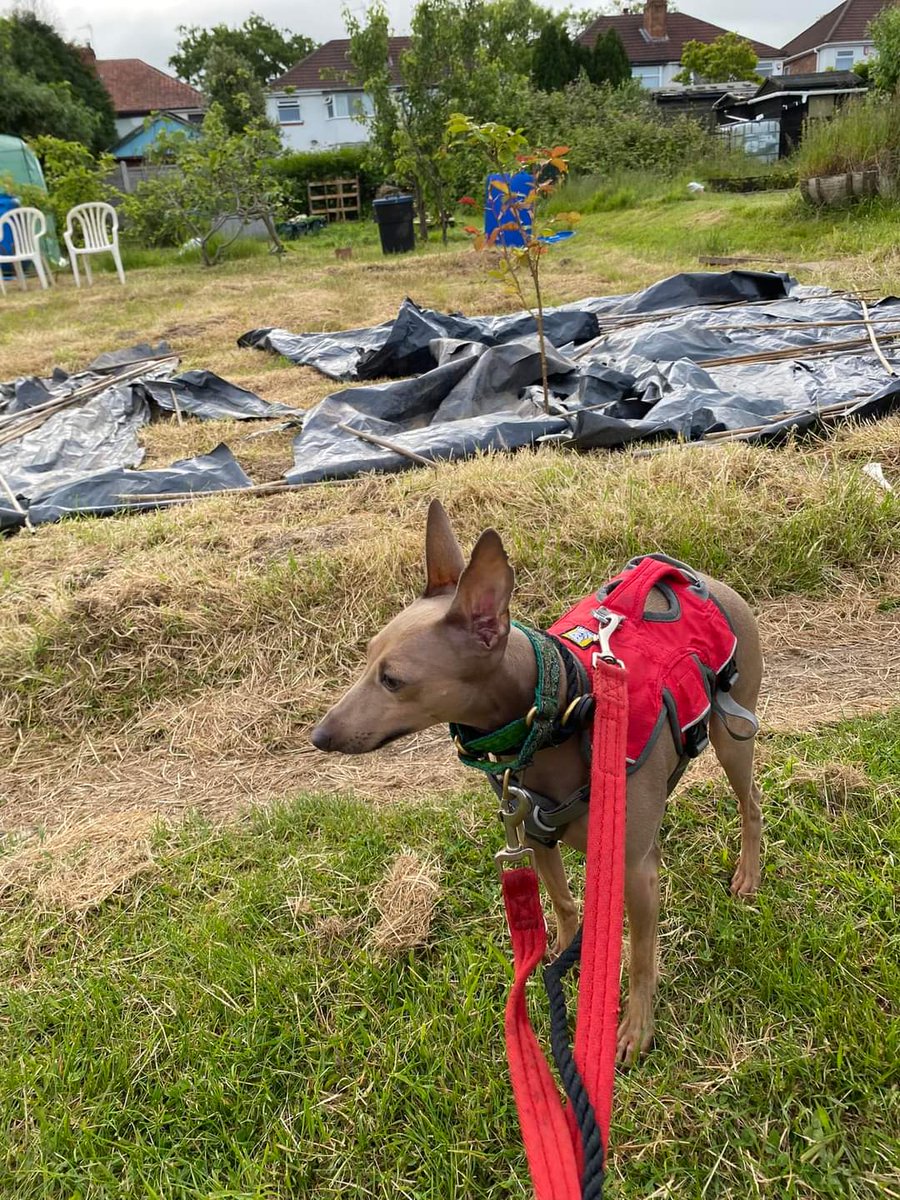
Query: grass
{"type": "Point", "coordinates": [226, 1029]}
{"type": "Point", "coordinates": [220, 1025]}
{"type": "Point", "coordinates": [863, 136]}
{"type": "Point", "coordinates": [97, 648]}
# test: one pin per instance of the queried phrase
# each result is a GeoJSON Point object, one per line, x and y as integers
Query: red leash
{"type": "Point", "coordinates": [566, 1146]}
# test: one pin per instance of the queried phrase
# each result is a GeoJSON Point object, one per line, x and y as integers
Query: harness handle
{"type": "Point", "coordinates": [629, 593]}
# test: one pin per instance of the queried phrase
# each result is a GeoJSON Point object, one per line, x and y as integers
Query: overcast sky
{"type": "Point", "coordinates": [147, 31]}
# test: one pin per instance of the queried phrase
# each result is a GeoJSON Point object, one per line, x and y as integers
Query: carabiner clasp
{"type": "Point", "coordinates": [514, 808]}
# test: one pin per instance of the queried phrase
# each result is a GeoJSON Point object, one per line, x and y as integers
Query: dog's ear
{"type": "Point", "coordinates": [481, 604]}
{"type": "Point", "coordinates": [444, 562]}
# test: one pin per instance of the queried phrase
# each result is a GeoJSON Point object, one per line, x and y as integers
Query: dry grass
{"type": "Point", "coordinates": [405, 900]}
{"type": "Point", "coordinates": [82, 862]}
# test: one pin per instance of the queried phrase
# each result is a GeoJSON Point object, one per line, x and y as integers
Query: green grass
{"type": "Point", "coordinates": [777, 225]}
{"type": "Point", "coordinates": [198, 1038]}
{"type": "Point", "coordinates": [864, 135]}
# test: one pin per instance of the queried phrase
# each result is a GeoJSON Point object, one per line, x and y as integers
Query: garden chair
{"type": "Point", "coordinates": [25, 227]}
{"type": "Point", "coordinates": [99, 229]}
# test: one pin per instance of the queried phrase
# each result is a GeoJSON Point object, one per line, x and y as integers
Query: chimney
{"type": "Point", "coordinates": [655, 20]}
{"type": "Point", "coordinates": [86, 54]}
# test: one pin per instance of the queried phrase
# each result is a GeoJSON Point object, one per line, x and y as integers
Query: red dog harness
{"type": "Point", "coordinates": [676, 659]}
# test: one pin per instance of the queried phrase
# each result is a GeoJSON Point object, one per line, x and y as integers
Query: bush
{"type": "Point", "coordinates": [615, 129]}
{"type": "Point", "coordinates": [296, 171]}
{"type": "Point", "coordinates": [73, 175]}
{"type": "Point", "coordinates": [863, 136]}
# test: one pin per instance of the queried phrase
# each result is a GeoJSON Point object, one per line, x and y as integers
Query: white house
{"type": "Point", "coordinates": [316, 104]}
{"type": "Point", "coordinates": [836, 41]}
{"type": "Point", "coordinates": [654, 39]}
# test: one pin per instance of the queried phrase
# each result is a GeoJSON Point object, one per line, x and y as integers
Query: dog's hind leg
{"type": "Point", "coordinates": [736, 758]}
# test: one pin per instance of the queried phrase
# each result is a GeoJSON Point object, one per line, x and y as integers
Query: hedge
{"type": "Point", "coordinates": [298, 170]}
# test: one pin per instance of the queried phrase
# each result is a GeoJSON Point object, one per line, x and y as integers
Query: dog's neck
{"type": "Point", "coordinates": [508, 690]}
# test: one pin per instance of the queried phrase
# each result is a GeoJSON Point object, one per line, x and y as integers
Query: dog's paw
{"type": "Point", "coordinates": [635, 1035]}
{"type": "Point", "coordinates": [745, 882]}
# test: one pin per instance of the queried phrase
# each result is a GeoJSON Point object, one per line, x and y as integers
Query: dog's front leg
{"type": "Point", "coordinates": [549, 864]}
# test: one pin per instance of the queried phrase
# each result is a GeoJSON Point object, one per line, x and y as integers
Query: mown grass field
{"type": "Point", "coordinates": [194, 1001]}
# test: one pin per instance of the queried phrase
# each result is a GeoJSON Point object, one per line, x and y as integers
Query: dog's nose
{"type": "Point", "coordinates": [321, 738]}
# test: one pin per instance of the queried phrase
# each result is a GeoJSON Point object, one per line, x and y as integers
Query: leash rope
{"type": "Point", "coordinates": [566, 1147]}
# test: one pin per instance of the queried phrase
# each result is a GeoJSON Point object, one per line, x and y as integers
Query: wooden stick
{"type": "Point", "coordinates": [258, 489]}
{"type": "Point", "coordinates": [375, 440]}
{"type": "Point", "coordinates": [871, 331]}
{"type": "Point", "coordinates": [177, 406]}
{"type": "Point", "coordinates": [11, 496]}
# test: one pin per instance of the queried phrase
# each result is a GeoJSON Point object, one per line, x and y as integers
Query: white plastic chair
{"type": "Point", "coordinates": [99, 226]}
{"type": "Point", "coordinates": [27, 226]}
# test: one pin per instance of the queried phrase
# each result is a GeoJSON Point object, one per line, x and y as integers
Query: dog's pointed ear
{"type": "Point", "coordinates": [481, 604]}
{"type": "Point", "coordinates": [444, 562]}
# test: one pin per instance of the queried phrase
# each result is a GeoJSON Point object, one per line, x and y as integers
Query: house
{"type": "Point", "coordinates": [317, 104]}
{"type": "Point", "coordinates": [790, 101]}
{"type": "Point", "coordinates": [834, 42]}
{"type": "Point", "coordinates": [137, 90]}
{"type": "Point", "coordinates": [654, 39]}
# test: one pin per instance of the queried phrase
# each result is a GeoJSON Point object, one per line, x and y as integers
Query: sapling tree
{"type": "Point", "coordinates": [506, 152]}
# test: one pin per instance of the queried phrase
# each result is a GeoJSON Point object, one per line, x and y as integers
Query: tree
{"type": "Point", "coordinates": [270, 51]}
{"type": "Point", "coordinates": [728, 57]}
{"type": "Point", "coordinates": [609, 61]}
{"type": "Point", "coordinates": [472, 54]}
{"type": "Point", "coordinates": [505, 152]}
{"type": "Point", "coordinates": [48, 86]}
{"type": "Point", "coordinates": [229, 82]}
{"type": "Point", "coordinates": [556, 60]}
{"type": "Point", "coordinates": [213, 179]}
{"type": "Point", "coordinates": [885, 33]}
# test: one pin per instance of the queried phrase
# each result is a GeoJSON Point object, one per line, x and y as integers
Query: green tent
{"type": "Point", "coordinates": [19, 164]}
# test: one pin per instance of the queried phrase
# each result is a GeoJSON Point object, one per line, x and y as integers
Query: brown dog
{"type": "Point", "coordinates": [453, 656]}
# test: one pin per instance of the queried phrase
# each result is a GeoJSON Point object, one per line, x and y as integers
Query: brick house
{"type": "Point", "coordinates": [836, 41]}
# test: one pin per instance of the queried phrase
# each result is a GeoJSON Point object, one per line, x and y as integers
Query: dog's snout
{"type": "Point", "coordinates": [321, 738]}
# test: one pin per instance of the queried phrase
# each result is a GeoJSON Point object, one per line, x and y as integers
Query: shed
{"type": "Point", "coordinates": [792, 100]}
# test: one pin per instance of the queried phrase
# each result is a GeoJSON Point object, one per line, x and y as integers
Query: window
{"type": "Point", "coordinates": [650, 77]}
{"type": "Point", "coordinates": [348, 104]}
{"type": "Point", "coordinates": [765, 69]}
{"type": "Point", "coordinates": [843, 60]}
{"type": "Point", "coordinates": [288, 112]}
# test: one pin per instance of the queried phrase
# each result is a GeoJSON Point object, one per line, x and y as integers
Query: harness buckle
{"type": "Point", "coordinates": [608, 623]}
{"type": "Point", "coordinates": [514, 808]}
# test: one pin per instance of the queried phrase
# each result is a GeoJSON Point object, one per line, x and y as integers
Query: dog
{"type": "Point", "coordinates": [454, 656]}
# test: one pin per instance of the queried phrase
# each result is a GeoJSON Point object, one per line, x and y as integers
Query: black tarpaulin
{"type": "Point", "coordinates": [98, 434]}
{"type": "Point", "coordinates": [119, 489]}
{"type": "Point", "coordinates": [695, 354]}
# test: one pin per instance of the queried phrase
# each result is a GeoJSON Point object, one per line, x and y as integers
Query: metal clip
{"type": "Point", "coordinates": [609, 622]}
{"type": "Point", "coordinates": [514, 808]}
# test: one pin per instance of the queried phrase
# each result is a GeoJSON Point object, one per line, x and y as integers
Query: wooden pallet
{"type": "Point", "coordinates": [336, 199]}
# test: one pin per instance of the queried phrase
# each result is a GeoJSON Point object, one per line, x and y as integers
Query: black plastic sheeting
{"type": "Point", "coordinates": [118, 489]}
{"type": "Point", "coordinates": [401, 347]}
{"type": "Point", "coordinates": [638, 376]}
{"type": "Point", "coordinates": [79, 455]}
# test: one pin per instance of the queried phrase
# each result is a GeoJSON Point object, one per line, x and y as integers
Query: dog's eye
{"type": "Point", "coordinates": [390, 683]}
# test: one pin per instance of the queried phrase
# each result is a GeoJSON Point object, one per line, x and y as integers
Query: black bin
{"type": "Point", "coordinates": [394, 215]}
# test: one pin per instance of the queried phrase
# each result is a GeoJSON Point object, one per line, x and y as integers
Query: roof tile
{"type": "Point", "coordinates": [849, 22]}
{"type": "Point", "coordinates": [680, 28]}
{"type": "Point", "coordinates": [137, 88]}
{"type": "Point", "coordinates": [330, 68]}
